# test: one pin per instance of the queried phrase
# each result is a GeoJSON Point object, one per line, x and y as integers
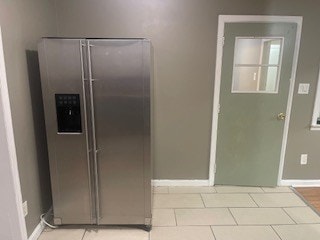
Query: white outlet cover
{"type": "Point", "coordinates": [304, 159]}
{"type": "Point", "coordinates": [303, 88]}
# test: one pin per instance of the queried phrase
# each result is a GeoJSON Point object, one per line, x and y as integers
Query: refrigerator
{"type": "Point", "coordinates": [97, 105]}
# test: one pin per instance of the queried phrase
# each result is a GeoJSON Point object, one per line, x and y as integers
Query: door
{"type": "Point", "coordinates": [255, 80]}
{"type": "Point", "coordinates": [118, 99]}
{"type": "Point", "coordinates": [64, 101]}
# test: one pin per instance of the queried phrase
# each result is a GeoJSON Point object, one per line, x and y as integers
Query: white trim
{"type": "Point", "coordinates": [250, 18]}
{"type": "Point", "coordinates": [11, 143]}
{"type": "Point", "coordinates": [300, 183]}
{"type": "Point", "coordinates": [37, 232]}
{"type": "Point", "coordinates": [315, 127]}
{"type": "Point", "coordinates": [40, 227]}
{"type": "Point", "coordinates": [298, 21]}
{"type": "Point", "coordinates": [187, 183]}
{"type": "Point", "coordinates": [316, 108]}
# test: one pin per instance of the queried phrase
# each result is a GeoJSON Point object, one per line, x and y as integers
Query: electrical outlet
{"type": "Point", "coordinates": [25, 208]}
{"type": "Point", "coordinates": [303, 88]}
{"type": "Point", "coordinates": [304, 159]}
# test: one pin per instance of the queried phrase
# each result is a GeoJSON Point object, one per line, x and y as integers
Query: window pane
{"type": "Point", "coordinates": [257, 51]}
{"type": "Point", "coordinates": [255, 79]}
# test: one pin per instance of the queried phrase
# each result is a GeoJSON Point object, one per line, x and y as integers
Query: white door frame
{"type": "Point", "coordinates": [18, 225]}
{"type": "Point", "coordinates": [223, 19]}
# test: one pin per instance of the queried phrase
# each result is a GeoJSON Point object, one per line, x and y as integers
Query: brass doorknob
{"type": "Point", "coordinates": [281, 116]}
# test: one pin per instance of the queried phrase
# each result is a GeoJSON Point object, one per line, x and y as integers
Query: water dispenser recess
{"type": "Point", "coordinates": [68, 113]}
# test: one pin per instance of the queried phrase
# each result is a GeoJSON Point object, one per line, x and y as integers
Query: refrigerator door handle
{"type": "Point", "coordinates": [83, 66]}
{"type": "Point", "coordinates": [95, 157]}
{"type": "Point", "coordinates": [84, 72]}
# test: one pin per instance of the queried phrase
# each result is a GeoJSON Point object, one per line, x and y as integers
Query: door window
{"type": "Point", "coordinates": [315, 125]}
{"type": "Point", "coordinates": [257, 64]}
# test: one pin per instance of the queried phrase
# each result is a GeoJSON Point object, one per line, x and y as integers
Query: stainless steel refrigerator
{"type": "Point", "coordinates": [96, 95]}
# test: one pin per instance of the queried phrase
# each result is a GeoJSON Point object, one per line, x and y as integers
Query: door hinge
{"type": "Point", "coordinates": [215, 168]}
{"type": "Point", "coordinates": [219, 107]}
{"type": "Point", "coordinates": [223, 38]}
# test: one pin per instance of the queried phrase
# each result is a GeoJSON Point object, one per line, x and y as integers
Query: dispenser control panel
{"type": "Point", "coordinates": [68, 113]}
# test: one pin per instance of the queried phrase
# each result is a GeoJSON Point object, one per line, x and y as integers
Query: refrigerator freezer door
{"type": "Point", "coordinates": [121, 99]}
{"type": "Point", "coordinates": [63, 96]}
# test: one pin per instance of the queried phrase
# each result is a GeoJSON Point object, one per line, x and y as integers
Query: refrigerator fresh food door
{"type": "Point", "coordinates": [120, 79]}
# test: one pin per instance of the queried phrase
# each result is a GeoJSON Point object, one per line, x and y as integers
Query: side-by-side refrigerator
{"type": "Point", "coordinates": [96, 95]}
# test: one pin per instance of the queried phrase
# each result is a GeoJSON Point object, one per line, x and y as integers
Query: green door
{"type": "Point", "coordinates": [255, 80]}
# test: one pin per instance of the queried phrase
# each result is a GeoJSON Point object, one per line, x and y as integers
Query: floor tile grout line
{"type": "Point", "coordinates": [215, 189]}
{"type": "Point", "coordinates": [276, 232]}
{"type": "Point", "coordinates": [234, 218]}
{"type": "Point", "coordinates": [283, 209]}
{"type": "Point", "coordinates": [175, 217]}
{"type": "Point", "coordinates": [249, 207]}
{"type": "Point", "coordinates": [240, 225]}
{"type": "Point", "coordinates": [214, 236]}
{"type": "Point", "coordinates": [84, 233]}
{"type": "Point", "coordinates": [215, 193]}
{"type": "Point", "coordinates": [259, 192]}
{"type": "Point", "coordinates": [294, 207]}
{"type": "Point", "coordinates": [203, 201]}
{"type": "Point", "coordinates": [271, 193]}
{"type": "Point", "coordinates": [299, 224]}
{"type": "Point", "coordinates": [253, 200]}
{"type": "Point", "coordinates": [251, 224]}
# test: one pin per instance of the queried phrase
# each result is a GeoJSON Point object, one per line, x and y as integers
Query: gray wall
{"type": "Point", "coordinates": [23, 23]}
{"type": "Point", "coordinates": [184, 33]}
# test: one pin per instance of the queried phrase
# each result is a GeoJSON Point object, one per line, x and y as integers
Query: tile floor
{"type": "Point", "coordinates": [214, 213]}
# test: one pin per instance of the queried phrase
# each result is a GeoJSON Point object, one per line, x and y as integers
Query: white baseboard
{"type": "Point", "coordinates": [199, 183]}
{"type": "Point", "coordinates": [300, 183]}
{"type": "Point", "coordinates": [189, 183]}
{"type": "Point", "coordinates": [39, 228]}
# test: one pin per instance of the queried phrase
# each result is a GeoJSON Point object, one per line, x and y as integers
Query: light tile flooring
{"type": "Point", "coordinates": [214, 213]}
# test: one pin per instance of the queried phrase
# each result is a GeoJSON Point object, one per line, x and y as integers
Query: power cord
{"type": "Point", "coordinates": [46, 223]}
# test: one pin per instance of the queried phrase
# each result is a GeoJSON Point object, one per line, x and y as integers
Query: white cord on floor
{"type": "Point", "coordinates": [46, 223]}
